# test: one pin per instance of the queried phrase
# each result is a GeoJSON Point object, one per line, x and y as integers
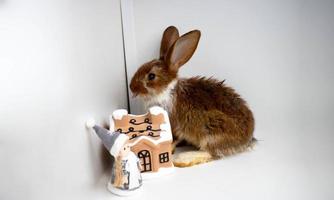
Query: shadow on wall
{"type": "Point", "coordinates": [106, 160]}
{"type": "Point", "coordinates": [101, 164]}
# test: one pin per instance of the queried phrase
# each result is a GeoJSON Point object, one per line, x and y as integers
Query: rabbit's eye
{"type": "Point", "coordinates": [151, 76]}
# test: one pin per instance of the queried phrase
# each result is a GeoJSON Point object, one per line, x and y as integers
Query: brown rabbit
{"type": "Point", "coordinates": [203, 111]}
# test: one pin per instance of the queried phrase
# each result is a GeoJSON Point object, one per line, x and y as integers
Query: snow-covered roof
{"type": "Point", "coordinates": [164, 136]}
{"type": "Point", "coordinates": [165, 133]}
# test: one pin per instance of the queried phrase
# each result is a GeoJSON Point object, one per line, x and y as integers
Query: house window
{"type": "Point", "coordinates": [145, 160]}
{"type": "Point", "coordinates": [164, 157]}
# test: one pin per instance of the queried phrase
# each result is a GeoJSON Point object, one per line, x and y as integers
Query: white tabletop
{"type": "Point", "coordinates": [278, 168]}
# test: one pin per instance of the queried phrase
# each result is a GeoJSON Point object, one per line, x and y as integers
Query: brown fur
{"type": "Point", "coordinates": [204, 111]}
{"type": "Point", "coordinates": [140, 78]}
{"type": "Point", "coordinates": [220, 120]}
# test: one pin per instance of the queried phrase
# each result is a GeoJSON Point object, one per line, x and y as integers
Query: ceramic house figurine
{"type": "Point", "coordinates": [125, 176]}
{"type": "Point", "coordinates": [150, 138]}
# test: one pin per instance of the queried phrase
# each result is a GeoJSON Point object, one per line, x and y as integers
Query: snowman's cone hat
{"type": "Point", "coordinates": [112, 141]}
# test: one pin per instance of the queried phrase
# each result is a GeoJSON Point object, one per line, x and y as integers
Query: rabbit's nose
{"type": "Point", "coordinates": [133, 86]}
{"type": "Point", "coordinates": [137, 88]}
{"type": "Point", "coordinates": [134, 89]}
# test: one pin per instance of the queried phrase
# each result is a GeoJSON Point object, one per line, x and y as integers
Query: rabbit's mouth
{"type": "Point", "coordinates": [141, 95]}
{"type": "Point", "coordinates": [145, 96]}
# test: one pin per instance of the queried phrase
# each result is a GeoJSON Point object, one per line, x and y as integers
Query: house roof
{"type": "Point", "coordinates": [165, 128]}
{"type": "Point", "coordinates": [164, 137]}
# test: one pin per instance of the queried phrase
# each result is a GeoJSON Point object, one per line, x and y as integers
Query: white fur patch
{"type": "Point", "coordinates": [164, 99]}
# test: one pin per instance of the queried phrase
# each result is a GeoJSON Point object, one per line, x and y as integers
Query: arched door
{"type": "Point", "coordinates": [145, 160]}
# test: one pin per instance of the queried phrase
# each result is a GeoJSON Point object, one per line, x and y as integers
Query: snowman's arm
{"type": "Point", "coordinates": [139, 165]}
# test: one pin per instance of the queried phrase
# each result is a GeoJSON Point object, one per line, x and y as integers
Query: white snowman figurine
{"type": "Point", "coordinates": [125, 176]}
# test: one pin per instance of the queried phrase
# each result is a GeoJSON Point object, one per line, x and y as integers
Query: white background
{"type": "Point", "coordinates": [62, 62]}
{"type": "Point", "coordinates": [279, 55]}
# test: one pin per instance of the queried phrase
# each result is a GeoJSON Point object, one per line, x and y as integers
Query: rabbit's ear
{"type": "Point", "coordinates": [171, 34]}
{"type": "Point", "coordinates": [182, 50]}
